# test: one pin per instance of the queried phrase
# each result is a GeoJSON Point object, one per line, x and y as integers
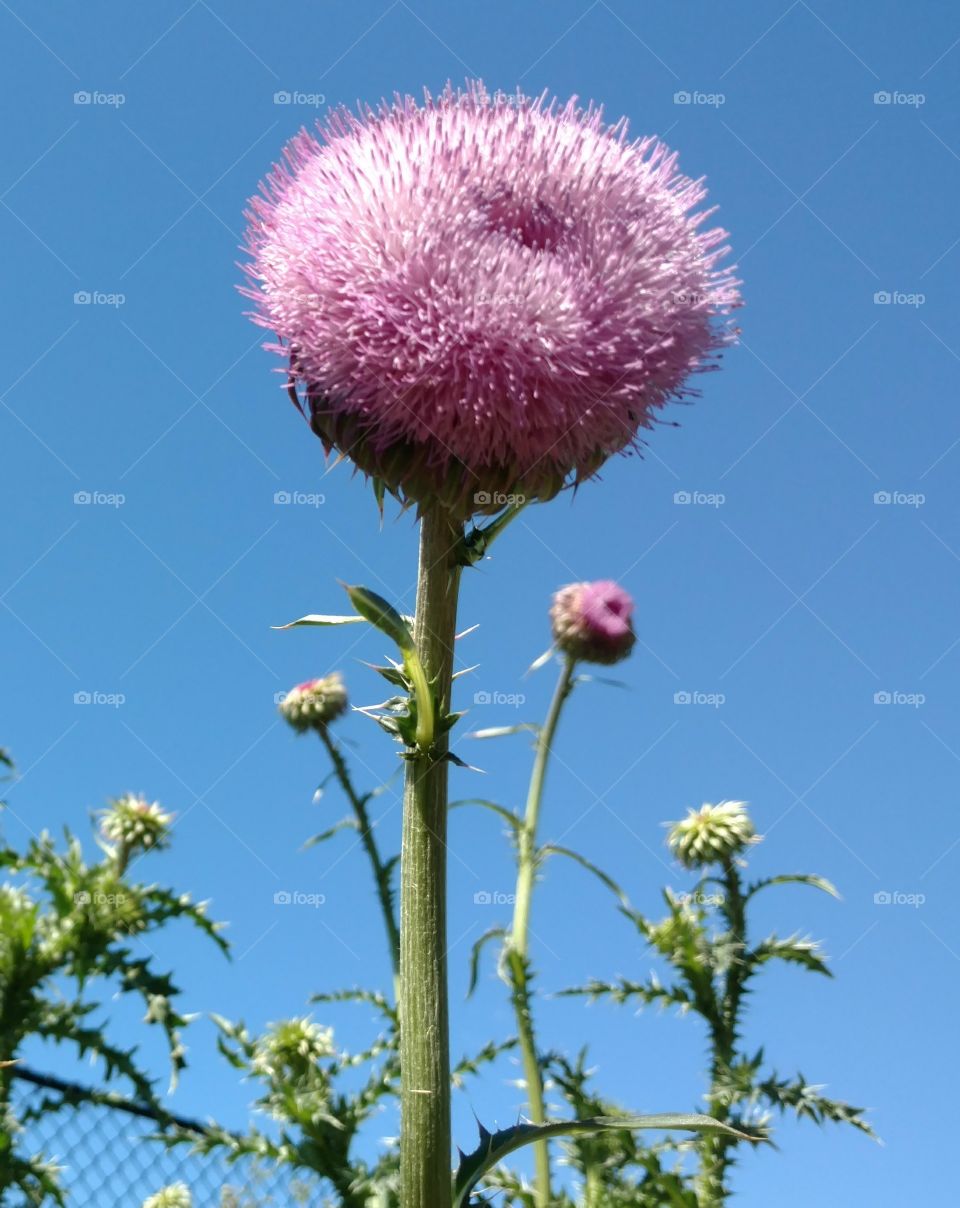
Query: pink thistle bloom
{"type": "Point", "coordinates": [485, 295]}
{"type": "Point", "coordinates": [315, 703]}
{"type": "Point", "coordinates": [592, 621]}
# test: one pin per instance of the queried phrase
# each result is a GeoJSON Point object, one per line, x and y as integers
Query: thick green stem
{"type": "Point", "coordinates": [519, 939]}
{"type": "Point", "coordinates": [380, 874]}
{"type": "Point", "coordinates": [425, 1178]}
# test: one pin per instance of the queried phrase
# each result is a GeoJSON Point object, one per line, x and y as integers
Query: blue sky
{"type": "Point", "coordinates": [824, 569]}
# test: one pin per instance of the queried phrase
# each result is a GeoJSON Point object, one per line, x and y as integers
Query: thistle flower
{"type": "Point", "coordinates": [712, 835]}
{"type": "Point", "coordinates": [291, 1044]}
{"type": "Point", "coordinates": [591, 621]}
{"type": "Point", "coordinates": [177, 1195]}
{"type": "Point", "coordinates": [132, 823]}
{"type": "Point", "coordinates": [315, 703]}
{"type": "Point", "coordinates": [487, 295]}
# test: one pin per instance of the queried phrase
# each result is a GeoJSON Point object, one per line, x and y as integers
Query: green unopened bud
{"type": "Point", "coordinates": [293, 1043]}
{"type": "Point", "coordinates": [177, 1195]}
{"type": "Point", "coordinates": [314, 704]}
{"type": "Point", "coordinates": [131, 823]}
{"type": "Point", "coordinates": [712, 834]}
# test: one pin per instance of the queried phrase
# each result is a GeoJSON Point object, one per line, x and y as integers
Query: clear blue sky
{"type": "Point", "coordinates": [798, 598]}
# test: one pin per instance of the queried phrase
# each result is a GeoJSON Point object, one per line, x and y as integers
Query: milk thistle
{"type": "Point", "coordinates": [479, 300]}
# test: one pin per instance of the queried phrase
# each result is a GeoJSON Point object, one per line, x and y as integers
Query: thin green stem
{"type": "Point", "coordinates": [518, 962]}
{"type": "Point", "coordinates": [714, 1150]}
{"type": "Point", "coordinates": [425, 1178]}
{"type": "Point", "coordinates": [381, 874]}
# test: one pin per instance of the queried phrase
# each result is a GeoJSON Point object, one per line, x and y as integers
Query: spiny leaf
{"type": "Point", "coordinates": [507, 815]}
{"type": "Point", "coordinates": [794, 879]}
{"type": "Point", "coordinates": [316, 618]}
{"type": "Point", "coordinates": [494, 1147]}
{"type": "Point", "coordinates": [504, 731]}
{"type": "Point", "coordinates": [552, 849]}
{"type": "Point", "coordinates": [349, 823]}
{"type": "Point", "coordinates": [382, 615]}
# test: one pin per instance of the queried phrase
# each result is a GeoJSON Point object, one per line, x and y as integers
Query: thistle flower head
{"type": "Point", "coordinates": [712, 834]}
{"type": "Point", "coordinates": [177, 1195]}
{"type": "Point", "coordinates": [591, 622]}
{"type": "Point", "coordinates": [132, 823]}
{"type": "Point", "coordinates": [292, 1044]}
{"type": "Point", "coordinates": [315, 703]}
{"type": "Point", "coordinates": [486, 295]}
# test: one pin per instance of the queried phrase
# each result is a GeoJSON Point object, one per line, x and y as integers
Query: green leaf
{"type": "Point", "coordinates": [794, 879]}
{"type": "Point", "coordinates": [349, 823]}
{"type": "Point", "coordinates": [795, 950]}
{"type": "Point", "coordinates": [501, 811]}
{"type": "Point", "coordinates": [477, 949]}
{"type": "Point", "coordinates": [382, 615]}
{"type": "Point", "coordinates": [316, 618]}
{"type": "Point", "coordinates": [552, 849]}
{"type": "Point", "coordinates": [494, 1147]}
{"type": "Point", "coordinates": [504, 731]}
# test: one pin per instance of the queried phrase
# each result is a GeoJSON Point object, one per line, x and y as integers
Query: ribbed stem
{"type": "Point", "coordinates": [425, 1176]}
{"type": "Point", "coordinates": [518, 942]}
{"type": "Point", "coordinates": [377, 866]}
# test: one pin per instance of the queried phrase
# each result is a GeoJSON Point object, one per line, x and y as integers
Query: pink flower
{"type": "Point", "coordinates": [592, 621]}
{"type": "Point", "coordinates": [485, 295]}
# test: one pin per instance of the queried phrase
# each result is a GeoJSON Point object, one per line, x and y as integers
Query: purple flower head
{"type": "Point", "coordinates": [485, 295]}
{"type": "Point", "coordinates": [592, 621]}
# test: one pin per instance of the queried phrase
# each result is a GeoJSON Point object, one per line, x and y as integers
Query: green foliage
{"type": "Point", "coordinates": [66, 927]}
{"type": "Point", "coordinates": [704, 941]}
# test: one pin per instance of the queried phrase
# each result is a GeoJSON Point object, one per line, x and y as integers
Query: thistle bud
{"type": "Point", "coordinates": [177, 1195]}
{"type": "Point", "coordinates": [712, 834]}
{"type": "Point", "coordinates": [131, 823]}
{"type": "Point", "coordinates": [291, 1045]}
{"type": "Point", "coordinates": [592, 621]}
{"type": "Point", "coordinates": [314, 704]}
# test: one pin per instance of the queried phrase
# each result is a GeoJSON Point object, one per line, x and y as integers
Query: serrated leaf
{"type": "Point", "coordinates": [494, 1147]}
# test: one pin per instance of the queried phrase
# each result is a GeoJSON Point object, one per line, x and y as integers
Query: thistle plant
{"type": "Point", "coordinates": [706, 943]}
{"type": "Point", "coordinates": [312, 707]}
{"type": "Point", "coordinates": [479, 300]}
{"type": "Point", "coordinates": [63, 924]}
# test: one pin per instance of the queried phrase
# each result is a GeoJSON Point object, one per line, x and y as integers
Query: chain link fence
{"type": "Point", "coordinates": [106, 1159]}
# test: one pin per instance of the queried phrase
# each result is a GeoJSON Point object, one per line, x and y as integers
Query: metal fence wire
{"type": "Point", "coordinates": [106, 1159]}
